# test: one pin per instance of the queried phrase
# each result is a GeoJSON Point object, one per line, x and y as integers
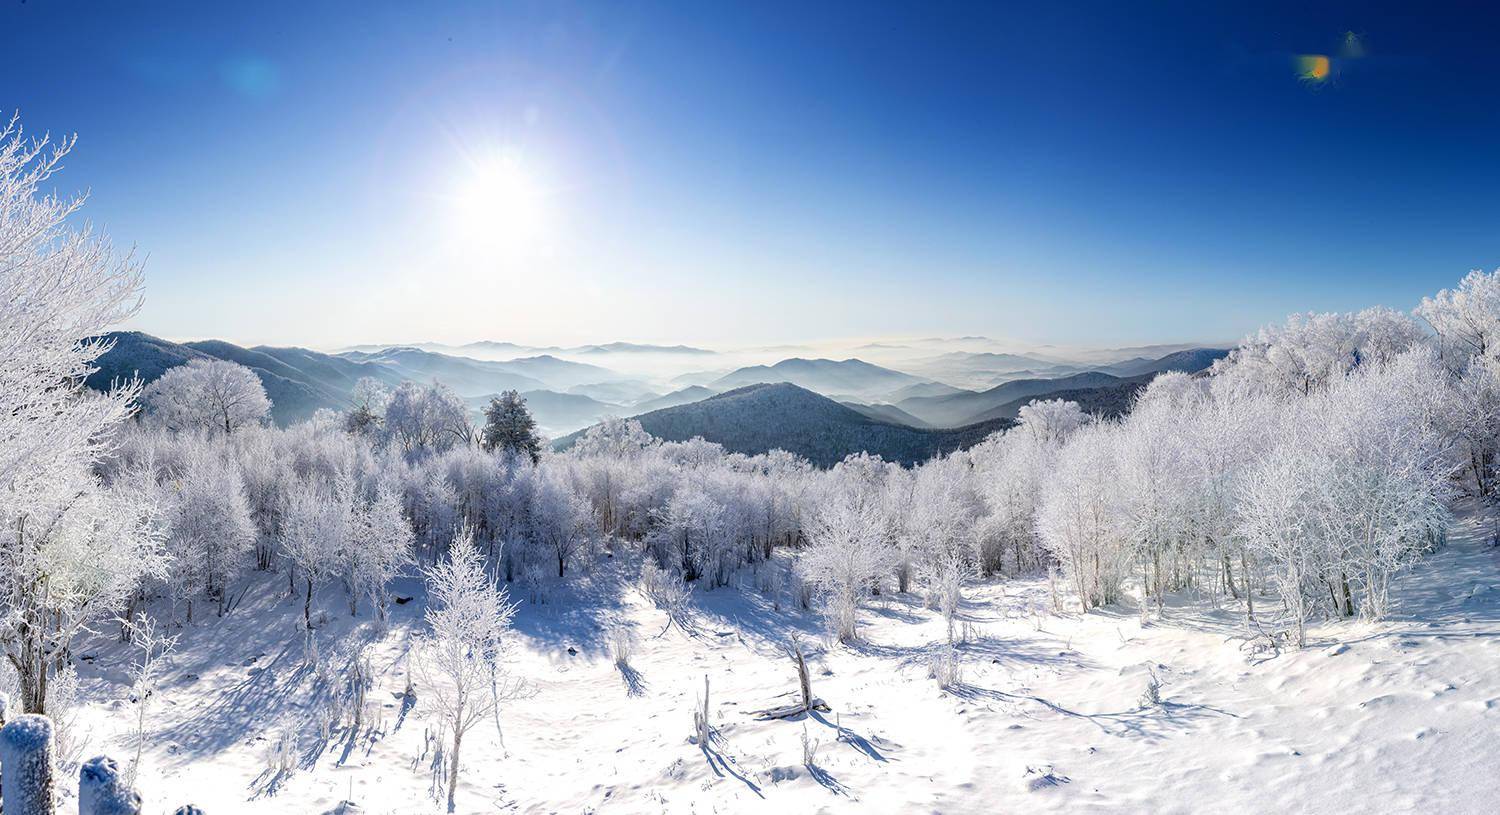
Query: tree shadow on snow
{"type": "Point", "coordinates": [729, 611]}
{"type": "Point", "coordinates": [846, 735]}
{"type": "Point", "coordinates": [999, 650]}
{"type": "Point", "coordinates": [635, 682]}
{"type": "Point", "coordinates": [826, 779]}
{"type": "Point", "coordinates": [579, 612]}
{"type": "Point", "coordinates": [1140, 722]}
{"type": "Point", "coordinates": [725, 766]}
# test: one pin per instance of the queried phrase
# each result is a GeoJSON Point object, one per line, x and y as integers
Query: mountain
{"type": "Point", "coordinates": [558, 373]}
{"type": "Point", "coordinates": [466, 376]}
{"type": "Point", "coordinates": [557, 413]}
{"type": "Point", "coordinates": [698, 377]}
{"type": "Point", "coordinates": [636, 348]}
{"type": "Point", "coordinates": [692, 393]}
{"type": "Point", "coordinates": [761, 417]}
{"type": "Point", "coordinates": [1095, 358]}
{"type": "Point", "coordinates": [825, 376]}
{"type": "Point", "coordinates": [978, 370]}
{"type": "Point", "coordinates": [959, 408]}
{"type": "Point", "coordinates": [135, 354]}
{"type": "Point", "coordinates": [1108, 401]}
{"type": "Point", "coordinates": [623, 392]}
{"type": "Point", "coordinates": [886, 413]}
{"type": "Point", "coordinates": [923, 389]}
{"type": "Point", "coordinates": [298, 381]}
{"type": "Point", "coordinates": [1189, 361]}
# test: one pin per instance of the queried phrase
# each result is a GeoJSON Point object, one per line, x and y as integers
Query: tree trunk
{"type": "Point", "coordinates": [1249, 598]}
{"type": "Point", "coordinates": [307, 606]}
{"type": "Point", "coordinates": [458, 738]}
{"type": "Point", "coordinates": [803, 682]}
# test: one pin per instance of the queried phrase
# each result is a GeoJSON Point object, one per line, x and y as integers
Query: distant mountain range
{"type": "Point", "coordinates": [960, 408]}
{"type": "Point", "coordinates": [761, 417]}
{"type": "Point", "coordinates": [491, 349]}
{"type": "Point", "coordinates": [557, 413]}
{"type": "Point", "coordinates": [1005, 399]}
{"type": "Point", "coordinates": [297, 380]}
{"type": "Point", "coordinates": [1108, 401]}
{"type": "Point", "coordinates": [691, 393]}
{"type": "Point", "coordinates": [857, 402]}
{"type": "Point", "coordinates": [1190, 361]}
{"type": "Point", "coordinates": [825, 376]}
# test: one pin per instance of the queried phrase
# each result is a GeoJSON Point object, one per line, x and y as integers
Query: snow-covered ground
{"type": "Point", "coordinates": [1402, 716]}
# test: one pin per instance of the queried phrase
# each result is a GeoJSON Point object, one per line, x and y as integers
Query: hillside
{"type": "Point", "coordinates": [886, 413]}
{"type": "Point", "coordinates": [960, 408]}
{"type": "Point", "coordinates": [469, 377]}
{"type": "Point", "coordinates": [691, 393]}
{"type": "Point", "coordinates": [1109, 401]}
{"type": "Point", "coordinates": [825, 376]}
{"type": "Point", "coordinates": [1189, 361]}
{"type": "Point", "coordinates": [621, 392]}
{"type": "Point", "coordinates": [979, 369]}
{"type": "Point", "coordinates": [762, 417]}
{"type": "Point", "coordinates": [298, 381]}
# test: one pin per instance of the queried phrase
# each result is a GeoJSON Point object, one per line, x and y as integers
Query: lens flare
{"type": "Point", "coordinates": [1313, 67]}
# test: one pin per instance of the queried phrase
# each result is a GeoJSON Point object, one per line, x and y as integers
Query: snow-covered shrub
{"type": "Point", "coordinates": [665, 589]}
{"type": "Point", "coordinates": [69, 739]}
{"type": "Point", "coordinates": [946, 667]}
{"type": "Point", "coordinates": [1151, 696]}
{"type": "Point", "coordinates": [280, 757]}
{"type": "Point", "coordinates": [621, 646]}
{"type": "Point", "coordinates": [702, 730]}
{"type": "Point", "coordinates": [809, 749]}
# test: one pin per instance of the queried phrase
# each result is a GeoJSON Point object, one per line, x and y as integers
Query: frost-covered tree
{"type": "Point", "coordinates": [1081, 520]}
{"type": "Point", "coordinates": [1466, 318]}
{"type": "Point", "coordinates": [1156, 478]}
{"type": "Point", "coordinates": [1012, 468]}
{"type": "Point", "coordinates": [690, 532]}
{"type": "Point", "coordinates": [379, 544]}
{"type": "Point", "coordinates": [846, 553]}
{"type": "Point", "coordinates": [209, 528]}
{"type": "Point", "coordinates": [71, 550]}
{"type": "Point", "coordinates": [1050, 421]}
{"type": "Point", "coordinates": [368, 400]}
{"type": "Point", "coordinates": [462, 659]}
{"type": "Point", "coordinates": [508, 426]}
{"type": "Point", "coordinates": [427, 419]}
{"type": "Point", "coordinates": [207, 394]}
{"type": "Point", "coordinates": [315, 534]}
{"type": "Point", "coordinates": [560, 518]}
{"type": "Point", "coordinates": [1309, 351]}
{"type": "Point", "coordinates": [267, 475]}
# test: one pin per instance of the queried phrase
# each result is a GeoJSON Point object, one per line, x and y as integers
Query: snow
{"type": "Point", "coordinates": [23, 764]}
{"type": "Point", "coordinates": [1047, 716]}
{"type": "Point", "coordinates": [101, 790]}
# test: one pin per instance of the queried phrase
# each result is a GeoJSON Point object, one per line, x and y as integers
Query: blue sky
{"type": "Point", "coordinates": [1097, 173]}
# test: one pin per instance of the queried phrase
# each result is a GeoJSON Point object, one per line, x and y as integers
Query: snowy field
{"type": "Point", "coordinates": [1048, 716]}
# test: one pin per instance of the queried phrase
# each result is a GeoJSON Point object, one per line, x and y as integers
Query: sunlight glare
{"type": "Point", "coordinates": [498, 208]}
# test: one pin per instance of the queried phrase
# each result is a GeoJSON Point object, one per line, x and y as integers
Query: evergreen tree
{"type": "Point", "coordinates": [509, 426]}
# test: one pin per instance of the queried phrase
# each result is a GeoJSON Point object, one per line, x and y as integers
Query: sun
{"type": "Point", "coordinates": [498, 208]}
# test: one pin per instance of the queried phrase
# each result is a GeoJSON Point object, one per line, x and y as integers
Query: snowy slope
{"type": "Point", "coordinates": [1400, 717]}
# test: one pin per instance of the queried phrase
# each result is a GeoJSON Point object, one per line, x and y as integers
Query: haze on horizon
{"type": "Point", "coordinates": [571, 173]}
